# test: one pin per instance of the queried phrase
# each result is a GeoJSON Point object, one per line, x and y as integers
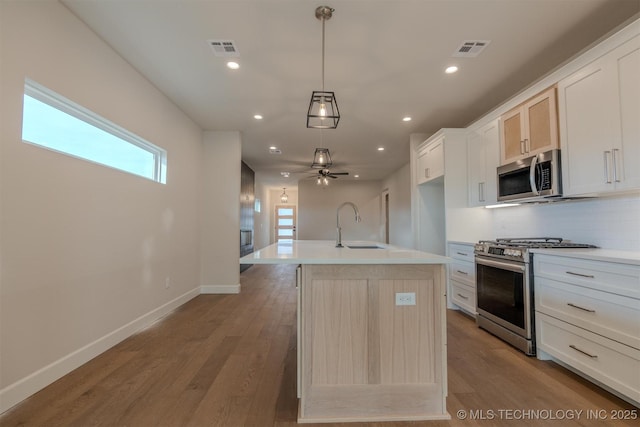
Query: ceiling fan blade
{"type": "Point", "coordinates": [339, 173]}
{"type": "Point", "coordinates": [331, 176]}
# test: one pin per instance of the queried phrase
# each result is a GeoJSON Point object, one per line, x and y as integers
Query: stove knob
{"type": "Point", "coordinates": [517, 253]}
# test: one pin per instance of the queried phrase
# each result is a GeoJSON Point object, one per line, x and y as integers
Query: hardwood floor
{"type": "Point", "coordinates": [230, 360]}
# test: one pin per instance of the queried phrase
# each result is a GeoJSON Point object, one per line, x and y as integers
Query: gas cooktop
{"type": "Point", "coordinates": [518, 247]}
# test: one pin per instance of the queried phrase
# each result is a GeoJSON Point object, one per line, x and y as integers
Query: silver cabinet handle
{"type": "Point", "coordinates": [588, 276]}
{"type": "Point", "coordinates": [462, 296]}
{"type": "Point", "coordinates": [522, 147]}
{"type": "Point", "coordinates": [527, 145]}
{"type": "Point", "coordinates": [462, 272]}
{"type": "Point", "coordinates": [481, 191]}
{"type": "Point", "coordinates": [426, 173]}
{"type": "Point", "coordinates": [581, 308]}
{"type": "Point", "coordinates": [462, 253]}
{"type": "Point", "coordinates": [593, 356]}
{"type": "Point", "coordinates": [615, 165]}
{"type": "Point", "coordinates": [607, 175]}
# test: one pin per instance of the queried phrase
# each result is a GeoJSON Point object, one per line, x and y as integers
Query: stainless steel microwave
{"type": "Point", "coordinates": [534, 178]}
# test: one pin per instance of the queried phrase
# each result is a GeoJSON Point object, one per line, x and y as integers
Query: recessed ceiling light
{"type": "Point", "coordinates": [273, 147]}
{"type": "Point", "coordinates": [356, 176]}
{"type": "Point", "coordinates": [257, 117]}
{"type": "Point", "coordinates": [233, 65]}
{"type": "Point", "coordinates": [380, 148]}
{"type": "Point", "coordinates": [450, 70]}
{"type": "Point", "coordinates": [406, 119]}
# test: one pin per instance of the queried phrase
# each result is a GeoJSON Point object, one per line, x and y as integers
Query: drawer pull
{"type": "Point", "coordinates": [462, 296]}
{"type": "Point", "coordinates": [593, 356]}
{"type": "Point", "coordinates": [462, 272]}
{"type": "Point", "coordinates": [581, 308]}
{"type": "Point", "coordinates": [588, 276]}
{"type": "Point", "coordinates": [461, 253]}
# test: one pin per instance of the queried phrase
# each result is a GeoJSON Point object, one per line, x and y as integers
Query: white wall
{"type": "Point", "coordinates": [317, 210]}
{"type": "Point", "coordinates": [86, 250]}
{"type": "Point", "coordinates": [399, 186]}
{"type": "Point", "coordinates": [220, 223]}
{"type": "Point", "coordinates": [611, 222]}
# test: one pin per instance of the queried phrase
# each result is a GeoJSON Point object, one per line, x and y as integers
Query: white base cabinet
{"type": "Point", "coordinates": [588, 318]}
{"type": "Point", "coordinates": [462, 277]}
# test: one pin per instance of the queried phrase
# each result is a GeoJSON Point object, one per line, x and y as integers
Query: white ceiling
{"type": "Point", "coordinates": [384, 60]}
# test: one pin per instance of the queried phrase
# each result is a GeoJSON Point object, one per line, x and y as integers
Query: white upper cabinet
{"type": "Point", "coordinates": [599, 109]}
{"type": "Point", "coordinates": [530, 128]}
{"type": "Point", "coordinates": [430, 164]}
{"type": "Point", "coordinates": [483, 157]}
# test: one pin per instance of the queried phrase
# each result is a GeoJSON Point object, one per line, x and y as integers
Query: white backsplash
{"type": "Point", "coordinates": [611, 222]}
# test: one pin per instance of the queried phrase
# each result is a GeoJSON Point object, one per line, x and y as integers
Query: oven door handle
{"type": "Point", "coordinates": [503, 265]}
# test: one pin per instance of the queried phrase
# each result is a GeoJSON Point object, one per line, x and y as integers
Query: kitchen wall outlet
{"type": "Point", "coordinates": [167, 283]}
{"type": "Point", "coordinates": [405, 298]}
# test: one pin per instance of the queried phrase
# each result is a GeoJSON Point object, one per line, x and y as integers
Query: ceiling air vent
{"type": "Point", "coordinates": [471, 48]}
{"type": "Point", "coordinates": [225, 48]}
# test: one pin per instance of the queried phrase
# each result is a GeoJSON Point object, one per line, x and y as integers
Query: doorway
{"type": "Point", "coordinates": [285, 219]}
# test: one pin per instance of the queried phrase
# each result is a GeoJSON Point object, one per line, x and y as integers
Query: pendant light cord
{"type": "Point", "coordinates": [323, 19]}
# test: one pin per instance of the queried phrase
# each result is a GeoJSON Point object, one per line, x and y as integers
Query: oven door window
{"type": "Point", "coordinates": [501, 293]}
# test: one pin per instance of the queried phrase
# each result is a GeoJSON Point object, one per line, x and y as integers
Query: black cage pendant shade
{"type": "Point", "coordinates": [323, 109]}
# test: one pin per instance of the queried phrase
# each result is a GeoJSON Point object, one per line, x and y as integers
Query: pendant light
{"type": "Point", "coordinates": [284, 198]}
{"type": "Point", "coordinates": [321, 159]}
{"type": "Point", "coordinates": [323, 109]}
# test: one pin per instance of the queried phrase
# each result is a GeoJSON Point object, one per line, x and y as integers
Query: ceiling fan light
{"type": "Point", "coordinates": [321, 158]}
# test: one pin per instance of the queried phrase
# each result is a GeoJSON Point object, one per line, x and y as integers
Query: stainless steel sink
{"type": "Point", "coordinates": [364, 247]}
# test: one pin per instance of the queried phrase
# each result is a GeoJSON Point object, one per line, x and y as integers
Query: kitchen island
{"type": "Point", "coordinates": [371, 330]}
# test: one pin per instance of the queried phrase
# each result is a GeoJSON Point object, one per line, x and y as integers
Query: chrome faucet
{"type": "Point", "coordinates": [358, 219]}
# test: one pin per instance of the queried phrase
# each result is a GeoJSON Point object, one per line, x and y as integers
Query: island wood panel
{"type": "Point", "coordinates": [407, 333]}
{"type": "Point", "coordinates": [339, 322]}
{"type": "Point", "coordinates": [386, 362]}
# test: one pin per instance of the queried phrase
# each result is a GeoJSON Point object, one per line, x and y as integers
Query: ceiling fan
{"type": "Point", "coordinates": [322, 162]}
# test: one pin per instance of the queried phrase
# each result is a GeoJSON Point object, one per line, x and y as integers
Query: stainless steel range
{"type": "Point", "coordinates": [504, 286]}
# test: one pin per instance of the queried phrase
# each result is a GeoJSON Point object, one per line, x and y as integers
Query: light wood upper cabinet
{"type": "Point", "coordinates": [430, 161]}
{"type": "Point", "coordinates": [600, 123]}
{"type": "Point", "coordinates": [530, 128]}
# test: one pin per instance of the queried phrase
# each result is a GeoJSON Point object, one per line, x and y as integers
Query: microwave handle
{"type": "Point", "coordinates": [532, 175]}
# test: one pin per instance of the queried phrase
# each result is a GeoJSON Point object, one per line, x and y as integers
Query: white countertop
{"type": "Point", "coordinates": [609, 255]}
{"type": "Point", "coordinates": [325, 252]}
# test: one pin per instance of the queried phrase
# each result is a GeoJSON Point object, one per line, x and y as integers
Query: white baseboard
{"type": "Point", "coordinates": [20, 390]}
{"type": "Point", "coordinates": [220, 289]}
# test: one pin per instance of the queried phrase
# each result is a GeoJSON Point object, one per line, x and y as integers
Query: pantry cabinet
{"type": "Point", "coordinates": [530, 128]}
{"type": "Point", "coordinates": [588, 317]}
{"type": "Point", "coordinates": [599, 108]}
{"type": "Point", "coordinates": [430, 160]}
{"type": "Point", "coordinates": [483, 157]}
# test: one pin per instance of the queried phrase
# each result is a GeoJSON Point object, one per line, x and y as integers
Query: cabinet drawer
{"type": "Point", "coordinates": [461, 252]}
{"type": "Point", "coordinates": [463, 296]}
{"type": "Point", "coordinates": [622, 279]}
{"type": "Point", "coordinates": [613, 364]}
{"type": "Point", "coordinates": [609, 315]}
{"type": "Point", "coordinates": [464, 272]}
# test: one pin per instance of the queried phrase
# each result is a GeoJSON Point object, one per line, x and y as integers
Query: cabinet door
{"type": "Point", "coordinates": [435, 159]}
{"type": "Point", "coordinates": [512, 132]}
{"type": "Point", "coordinates": [482, 151]}
{"type": "Point", "coordinates": [627, 154]}
{"type": "Point", "coordinates": [599, 110]}
{"type": "Point", "coordinates": [541, 123]}
{"type": "Point", "coordinates": [430, 161]}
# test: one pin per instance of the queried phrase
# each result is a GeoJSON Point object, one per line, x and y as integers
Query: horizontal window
{"type": "Point", "coordinates": [51, 121]}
